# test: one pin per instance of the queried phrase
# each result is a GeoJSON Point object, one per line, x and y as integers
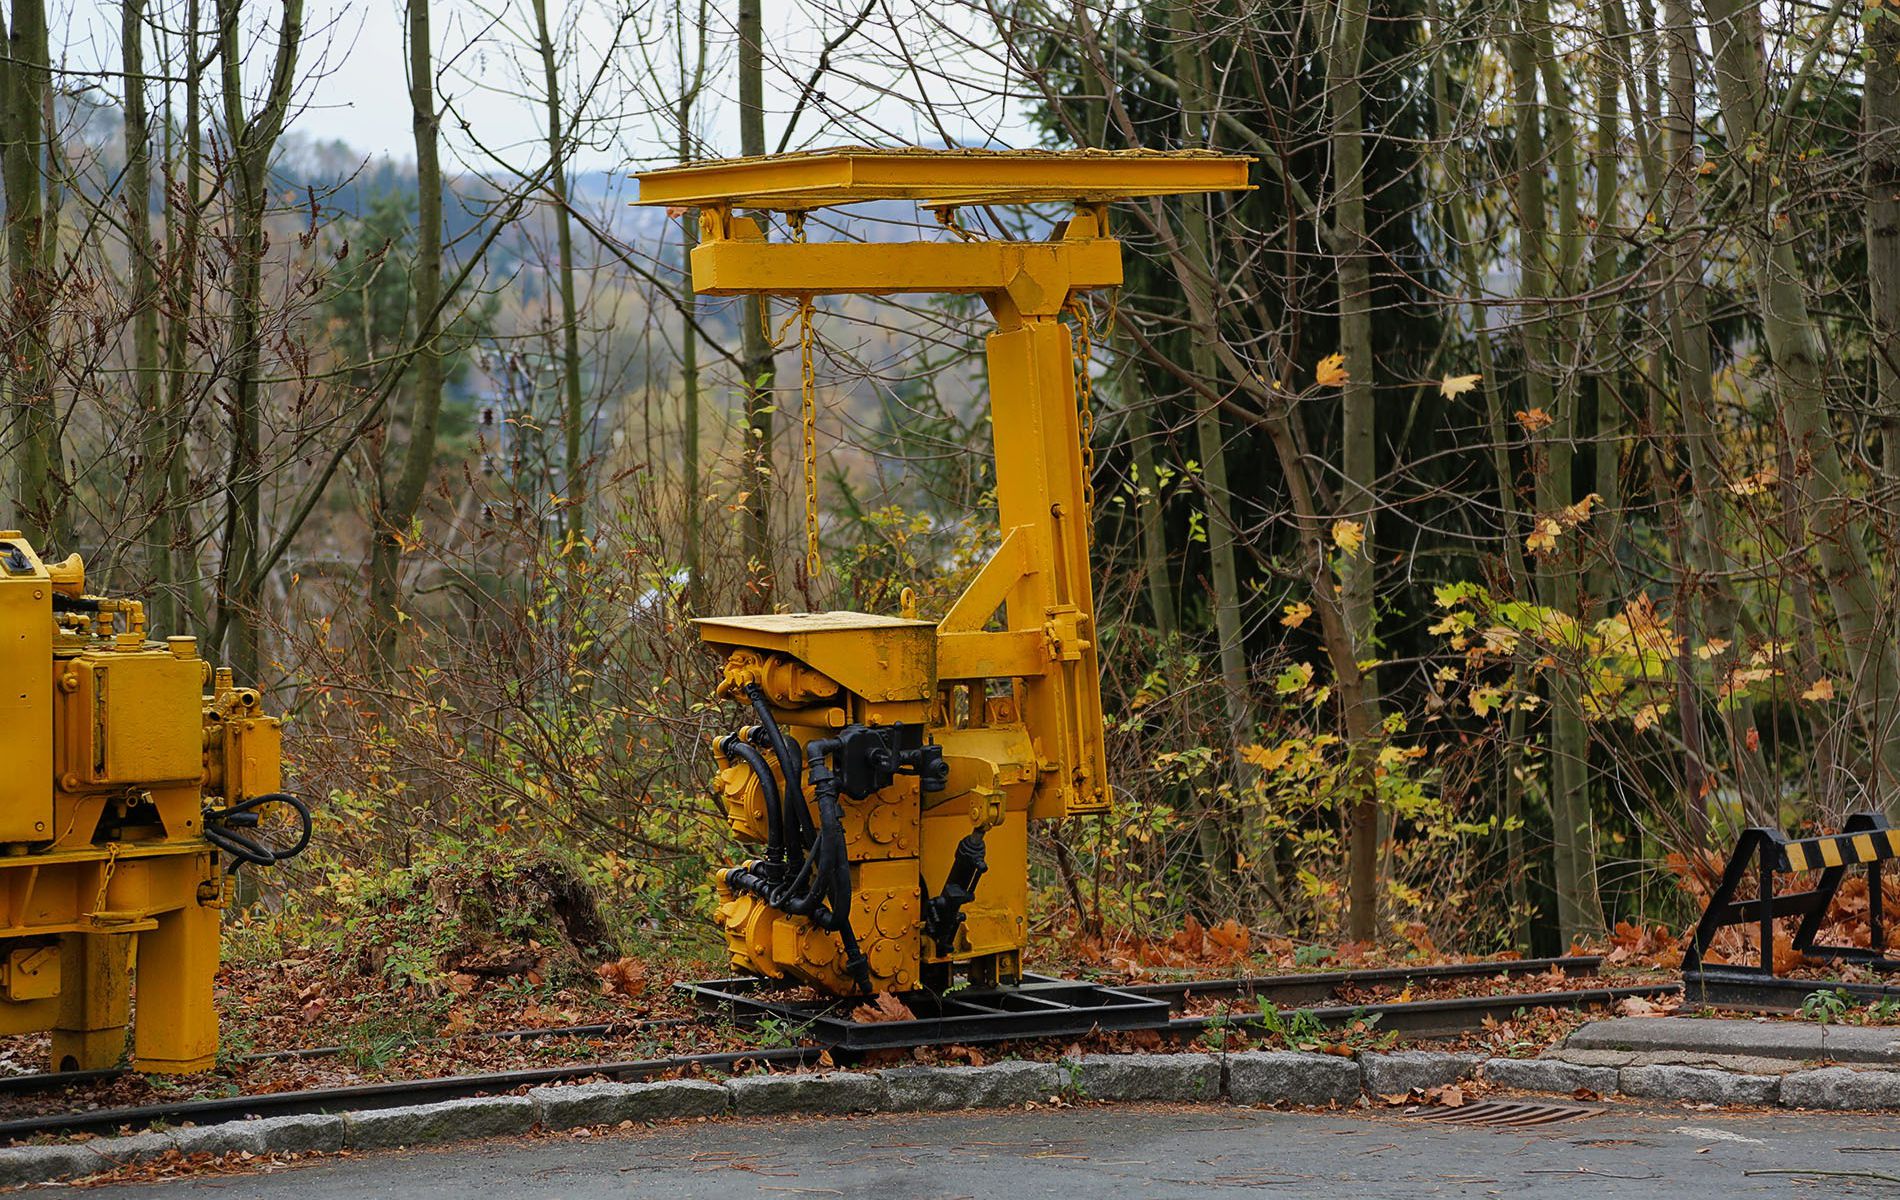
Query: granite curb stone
{"type": "Point", "coordinates": [611, 1103]}
{"type": "Point", "coordinates": [1184, 1077]}
{"type": "Point", "coordinates": [1700, 1084]}
{"type": "Point", "coordinates": [447, 1121]}
{"type": "Point", "coordinates": [1293, 1077]}
{"type": "Point", "coordinates": [1840, 1088]}
{"type": "Point", "coordinates": [837, 1093]}
{"type": "Point", "coordinates": [1549, 1075]}
{"type": "Point", "coordinates": [996, 1085]}
{"type": "Point", "coordinates": [1396, 1072]}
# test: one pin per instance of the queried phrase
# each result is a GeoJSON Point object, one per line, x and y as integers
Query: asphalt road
{"type": "Point", "coordinates": [1129, 1151]}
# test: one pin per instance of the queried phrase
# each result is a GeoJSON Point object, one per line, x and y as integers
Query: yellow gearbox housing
{"type": "Point", "coordinates": [120, 747]}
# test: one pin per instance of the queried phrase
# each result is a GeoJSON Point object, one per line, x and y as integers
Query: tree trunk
{"type": "Point", "coordinates": [253, 138]}
{"type": "Point", "coordinates": [1211, 444]}
{"type": "Point", "coordinates": [398, 504]}
{"type": "Point", "coordinates": [692, 484]}
{"type": "Point", "coordinates": [1707, 561]}
{"type": "Point", "coordinates": [1148, 512]}
{"type": "Point", "coordinates": [1512, 772]}
{"type": "Point", "coordinates": [573, 416]}
{"type": "Point", "coordinates": [1578, 911]}
{"type": "Point", "coordinates": [154, 476]}
{"type": "Point", "coordinates": [1359, 448]}
{"type": "Point", "coordinates": [1880, 177]}
{"type": "Point", "coordinates": [39, 490]}
{"type": "Point", "coordinates": [757, 369]}
{"type": "Point", "coordinates": [179, 573]}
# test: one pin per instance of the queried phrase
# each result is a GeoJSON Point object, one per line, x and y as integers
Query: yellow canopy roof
{"type": "Point", "coordinates": [938, 178]}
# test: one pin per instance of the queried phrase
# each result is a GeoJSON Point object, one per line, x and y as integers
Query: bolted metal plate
{"type": "Point", "coordinates": [1509, 1114]}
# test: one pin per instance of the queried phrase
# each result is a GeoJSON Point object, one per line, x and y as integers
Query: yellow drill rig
{"type": "Point", "coordinates": [892, 766]}
{"type": "Point", "coordinates": [135, 771]}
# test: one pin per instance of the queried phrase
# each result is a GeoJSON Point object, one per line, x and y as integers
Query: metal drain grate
{"type": "Point", "coordinates": [1509, 1114]}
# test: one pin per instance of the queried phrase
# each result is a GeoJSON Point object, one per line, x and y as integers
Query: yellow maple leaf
{"type": "Point", "coordinates": [1544, 537]}
{"type": "Point", "coordinates": [1296, 613]}
{"type": "Point", "coordinates": [1820, 689]}
{"type": "Point", "coordinates": [1647, 716]}
{"type": "Point", "coordinates": [1266, 758]}
{"type": "Point", "coordinates": [1331, 371]}
{"type": "Point", "coordinates": [1533, 419]}
{"type": "Point", "coordinates": [1349, 535]}
{"type": "Point", "coordinates": [1711, 648]}
{"type": "Point", "coordinates": [1452, 386]}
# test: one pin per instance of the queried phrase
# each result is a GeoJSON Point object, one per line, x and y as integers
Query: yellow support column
{"type": "Point", "coordinates": [93, 1001]}
{"type": "Point", "coordinates": [176, 1025]}
{"type": "Point", "coordinates": [1039, 490]}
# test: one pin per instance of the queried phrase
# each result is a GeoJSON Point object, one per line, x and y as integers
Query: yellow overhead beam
{"type": "Point", "coordinates": [942, 178]}
{"type": "Point", "coordinates": [735, 268]}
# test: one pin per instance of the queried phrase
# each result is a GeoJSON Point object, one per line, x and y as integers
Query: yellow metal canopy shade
{"type": "Point", "coordinates": [939, 178]}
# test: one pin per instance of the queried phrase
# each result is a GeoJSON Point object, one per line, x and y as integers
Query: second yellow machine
{"type": "Point", "coordinates": [891, 766]}
{"type": "Point", "coordinates": [136, 775]}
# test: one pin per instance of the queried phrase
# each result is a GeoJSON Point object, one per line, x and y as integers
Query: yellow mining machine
{"type": "Point", "coordinates": [135, 772]}
{"type": "Point", "coordinates": [892, 765]}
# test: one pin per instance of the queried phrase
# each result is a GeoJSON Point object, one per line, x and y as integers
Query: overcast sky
{"type": "Point", "coordinates": [354, 62]}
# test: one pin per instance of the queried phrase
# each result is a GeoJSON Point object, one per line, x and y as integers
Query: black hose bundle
{"type": "Point", "coordinates": [734, 747]}
{"type": "Point", "coordinates": [814, 856]}
{"type": "Point", "coordinates": [221, 826]}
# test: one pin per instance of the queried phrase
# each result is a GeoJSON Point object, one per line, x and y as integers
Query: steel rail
{"type": "Point", "coordinates": [50, 1081]}
{"type": "Point", "coordinates": [1428, 1018]}
{"type": "Point", "coordinates": [1325, 985]}
{"type": "Point", "coordinates": [394, 1094]}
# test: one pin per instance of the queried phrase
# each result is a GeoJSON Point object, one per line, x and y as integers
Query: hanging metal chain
{"type": "Point", "coordinates": [1084, 348]}
{"type": "Point", "coordinates": [776, 337]}
{"type": "Point", "coordinates": [808, 385]}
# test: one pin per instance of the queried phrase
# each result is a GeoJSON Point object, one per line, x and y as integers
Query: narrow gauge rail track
{"type": "Point", "coordinates": [1431, 1017]}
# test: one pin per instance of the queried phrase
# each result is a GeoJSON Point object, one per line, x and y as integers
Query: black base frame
{"type": "Point", "coordinates": [1038, 1007]}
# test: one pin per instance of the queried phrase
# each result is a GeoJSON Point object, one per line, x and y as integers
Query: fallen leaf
{"type": "Point", "coordinates": [624, 977]}
{"type": "Point", "coordinates": [1533, 419]}
{"type": "Point", "coordinates": [1296, 613]}
{"type": "Point", "coordinates": [1820, 689]}
{"type": "Point", "coordinates": [885, 1006]}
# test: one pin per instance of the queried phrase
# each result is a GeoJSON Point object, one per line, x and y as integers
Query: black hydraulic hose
{"type": "Point", "coordinates": [832, 877]}
{"type": "Point", "coordinates": [791, 827]}
{"type": "Point", "coordinates": [734, 747]}
{"type": "Point", "coordinates": [220, 827]}
{"type": "Point", "coordinates": [790, 763]}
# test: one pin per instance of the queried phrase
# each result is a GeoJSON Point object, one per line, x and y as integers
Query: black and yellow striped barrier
{"type": "Point", "coordinates": [1842, 850]}
{"type": "Point", "coordinates": [1864, 841]}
